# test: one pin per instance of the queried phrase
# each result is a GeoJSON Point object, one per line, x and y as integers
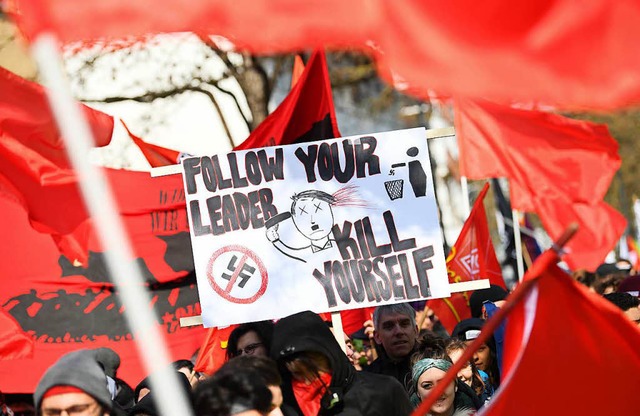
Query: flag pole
{"type": "Point", "coordinates": [546, 259]}
{"type": "Point", "coordinates": [515, 217]}
{"type": "Point", "coordinates": [465, 196]}
{"type": "Point", "coordinates": [97, 195]}
{"type": "Point", "coordinates": [338, 330]}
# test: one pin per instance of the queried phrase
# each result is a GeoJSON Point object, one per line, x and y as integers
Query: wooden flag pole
{"type": "Point", "coordinates": [453, 288]}
{"type": "Point", "coordinates": [338, 330]}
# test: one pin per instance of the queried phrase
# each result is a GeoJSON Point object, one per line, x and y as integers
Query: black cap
{"type": "Point", "coordinates": [492, 293]}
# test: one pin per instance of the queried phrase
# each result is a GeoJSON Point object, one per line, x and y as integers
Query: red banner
{"type": "Point", "coordinates": [472, 257]}
{"type": "Point", "coordinates": [65, 307]}
{"type": "Point", "coordinates": [551, 335]}
{"type": "Point", "coordinates": [557, 52]}
{"type": "Point", "coordinates": [558, 167]}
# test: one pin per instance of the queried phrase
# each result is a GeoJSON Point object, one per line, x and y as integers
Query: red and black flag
{"type": "Point", "coordinates": [305, 115]}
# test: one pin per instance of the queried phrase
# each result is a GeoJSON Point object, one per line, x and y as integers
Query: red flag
{"type": "Point", "coordinates": [14, 342]}
{"type": "Point", "coordinates": [298, 69]}
{"type": "Point", "coordinates": [354, 319]}
{"type": "Point", "coordinates": [558, 167]}
{"type": "Point", "coordinates": [472, 257]}
{"type": "Point", "coordinates": [33, 163]}
{"type": "Point", "coordinates": [306, 114]}
{"type": "Point", "coordinates": [562, 333]}
{"type": "Point", "coordinates": [64, 307]}
{"type": "Point", "coordinates": [553, 51]}
{"type": "Point", "coordinates": [157, 156]}
{"type": "Point", "coordinates": [214, 349]}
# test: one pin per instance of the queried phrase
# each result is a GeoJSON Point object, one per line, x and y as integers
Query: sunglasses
{"type": "Point", "coordinates": [249, 349]}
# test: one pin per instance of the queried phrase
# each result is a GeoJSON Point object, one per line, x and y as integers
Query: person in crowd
{"type": "Point", "coordinates": [433, 345]}
{"type": "Point", "coordinates": [364, 350]}
{"type": "Point", "coordinates": [427, 319]}
{"type": "Point", "coordinates": [267, 370]}
{"type": "Point", "coordinates": [627, 303]}
{"type": "Point", "coordinates": [608, 284]}
{"type": "Point", "coordinates": [186, 367]}
{"type": "Point", "coordinates": [493, 293]}
{"type": "Point", "coordinates": [631, 285]}
{"type": "Point", "coordinates": [585, 277]}
{"type": "Point", "coordinates": [142, 389]}
{"type": "Point", "coordinates": [477, 379]}
{"type": "Point", "coordinates": [485, 358]}
{"type": "Point", "coordinates": [610, 275]}
{"type": "Point", "coordinates": [425, 375]}
{"type": "Point", "coordinates": [146, 406]}
{"type": "Point", "coordinates": [121, 393]}
{"type": "Point", "coordinates": [76, 384]}
{"type": "Point", "coordinates": [237, 393]}
{"type": "Point", "coordinates": [253, 338]}
{"type": "Point", "coordinates": [396, 332]}
{"type": "Point", "coordinates": [4, 409]}
{"type": "Point", "coordinates": [319, 378]}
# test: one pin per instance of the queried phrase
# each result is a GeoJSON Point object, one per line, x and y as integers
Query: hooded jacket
{"type": "Point", "coordinates": [351, 392]}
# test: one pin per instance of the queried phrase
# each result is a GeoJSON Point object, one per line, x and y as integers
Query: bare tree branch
{"type": "Point", "coordinates": [152, 96]}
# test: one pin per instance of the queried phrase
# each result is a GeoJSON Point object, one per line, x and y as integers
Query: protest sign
{"type": "Point", "coordinates": [323, 226]}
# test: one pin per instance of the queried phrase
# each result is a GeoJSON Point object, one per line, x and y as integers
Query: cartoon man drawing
{"type": "Point", "coordinates": [312, 214]}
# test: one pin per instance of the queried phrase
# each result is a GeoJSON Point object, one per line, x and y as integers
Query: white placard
{"type": "Point", "coordinates": [350, 222]}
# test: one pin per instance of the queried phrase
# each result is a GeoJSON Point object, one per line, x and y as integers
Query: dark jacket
{"type": "Point", "coordinates": [359, 393]}
{"type": "Point", "coordinates": [400, 370]}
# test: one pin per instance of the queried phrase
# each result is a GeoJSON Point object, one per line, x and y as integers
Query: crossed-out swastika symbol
{"type": "Point", "coordinates": [241, 266]}
{"type": "Point", "coordinates": [242, 271]}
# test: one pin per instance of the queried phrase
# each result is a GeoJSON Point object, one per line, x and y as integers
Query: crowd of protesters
{"type": "Point", "coordinates": [296, 366]}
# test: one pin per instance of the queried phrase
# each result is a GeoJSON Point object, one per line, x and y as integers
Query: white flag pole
{"type": "Point", "coordinates": [515, 217]}
{"type": "Point", "coordinates": [465, 196]}
{"type": "Point", "coordinates": [101, 205]}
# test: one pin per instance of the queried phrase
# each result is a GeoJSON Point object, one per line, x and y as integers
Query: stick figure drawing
{"type": "Point", "coordinates": [312, 214]}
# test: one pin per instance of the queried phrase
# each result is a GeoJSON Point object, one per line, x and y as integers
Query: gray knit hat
{"type": "Point", "coordinates": [77, 369]}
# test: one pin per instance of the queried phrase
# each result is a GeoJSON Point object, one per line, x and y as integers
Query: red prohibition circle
{"type": "Point", "coordinates": [226, 294]}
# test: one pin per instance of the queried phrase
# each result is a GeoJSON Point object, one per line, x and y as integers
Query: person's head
{"type": "Point", "coordinates": [585, 277]}
{"type": "Point", "coordinates": [312, 213]}
{"type": "Point", "coordinates": [307, 366]}
{"type": "Point", "coordinates": [485, 357]}
{"type": "Point", "coordinates": [425, 375]}
{"type": "Point", "coordinates": [146, 406]}
{"type": "Point", "coordinates": [142, 389]}
{"type": "Point", "coordinates": [253, 338]}
{"type": "Point", "coordinates": [469, 373]}
{"type": "Point", "coordinates": [619, 268]}
{"type": "Point", "coordinates": [608, 283]}
{"type": "Point", "coordinates": [307, 352]}
{"type": "Point", "coordinates": [108, 359]}
{"type": "Point", "coordinates": [363, 350]}
{"type": "Point", "coordinates": [77, 384]}
{"type": "Point", "coordinates": [627, 303]}
{"type": "Point", "coordinates": [265, 368]}
{"type": "Point", "coordinates": [241, 393]}
{"type": "Point", "coordinates": [395, 329]}
{"type": "Point", "coordinates": [493, 293]}
{"type": "Point", "coordinates": [186, 367]}
{"type": "Point", "coordinates": [429, 345]}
